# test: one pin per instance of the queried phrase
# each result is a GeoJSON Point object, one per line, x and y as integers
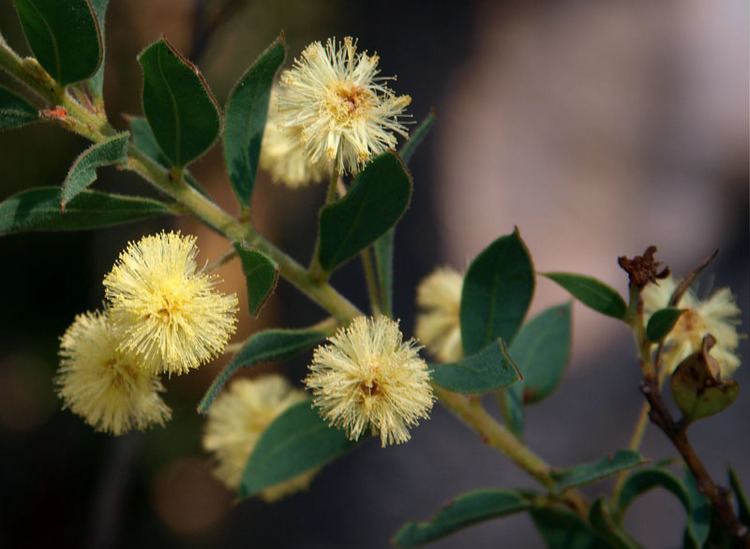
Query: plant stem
{"type": "Point", "coordinates": [371, 279]}
{"type": "Point", "coordinates": [316, 269]}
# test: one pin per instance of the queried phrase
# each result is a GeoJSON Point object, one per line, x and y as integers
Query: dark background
{"type": "Point", "coordinates": [596, 128]}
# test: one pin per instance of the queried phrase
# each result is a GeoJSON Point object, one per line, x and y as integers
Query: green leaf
{"type": "Point", "coordinates": [179, 106]}
{"type": "Point", "coordinates": [265, 346]}
{"type": "Point", "coordinates": [261, 274]}
{"type": "Point", "coordinates": [416, 138]}
{"type": "Point", "coordinates": [743, 509]}
{"type": "Point", "coordinates": [488, 370]}
{"type": "Point", "coordinates": [542, 351]}
{"type": "Point", "coordinates": [64, 36]}
{"type": "Point", "coordinates": [97, 81]}
{"type": "Point", "coordinates": [466, 510]}
{"type": "Point", "coordinates": [496, 293]}
{"type": "Point", "coordinates": [375, 202]}
{"type": "Point", "coordinates": [592, 293]}
{"type": "Point", "coordinates": [640, 482]}
{"type": "Point", "coordinates": [246, 112]}
{"type": "Point", "coordinates": [297, 441]}
{"type": "Point", "coordinates": [83, 171]}
{"type": "Point", "coordinates": [511, 406]}
{"type": "Point", "coordinates": [562, 529]}
{"type": "Point", "coordinates": [587, 473]}
{"type": "Point", "coordinates": [602, 522]}
{"type": "Point", "coordinates": [699, 516]}
{"type": "Point", "coordinates": [662, 322]}
{"type": "Point", "coordinates": [15, 111]}
{"type": "Point", "coordinates": [39, 210]}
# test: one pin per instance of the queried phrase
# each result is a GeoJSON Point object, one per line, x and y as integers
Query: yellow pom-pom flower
{"type": "Point", "coordinates": [718, 315]}
{"type": "Point", "coordinates": [346, 112]}
{"type": "Point", "coordinates": [103, 384]}
{"type": "Point", "coordinates": [283, 155]}
{"type": "Point", "coordinates": [438, 324]}
{"type": "Point", "coordinates": [237, 419]}
{"type": "Point", "coordinates": [367, 377]}
{"type": "Point", "coordinates": [166, 308]}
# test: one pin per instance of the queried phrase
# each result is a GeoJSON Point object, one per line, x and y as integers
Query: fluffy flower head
{"type": "Point", "coordinates": [718, 315]}
{"type": "Point", "coordinates": [366, 376]}
{"type": "Point", "coordinates": [167, 309]}
{"type": "Point", "coordinates": [438, 324]}
{"type": "Point", "coordinates": [346, 112]}
{"type": "Point", "coordinates": [103, 384]}
{"type": "Point", "coordinates": [237, 419]}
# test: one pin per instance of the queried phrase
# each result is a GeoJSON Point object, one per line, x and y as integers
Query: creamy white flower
{"type": "Point", "coordinates": [438, 323]}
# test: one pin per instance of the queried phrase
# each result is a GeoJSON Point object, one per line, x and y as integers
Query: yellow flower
{"type": "Point", "coordinates": [283, 154]}
{"type": "Point", "coordinates": [368, 377]}
{"type": "Point", "coordinates": [346, 112]}
{"type": "Point", "coordinates": [166, 308]}
{"type": "Point", "coordinates": [718, 315]}
{"type": "Point", "coordinates": [438, 324]}
{"type": "Point", "coordinates": [103, 384]}
{"type": "Point", "coordinates": [237, 419]}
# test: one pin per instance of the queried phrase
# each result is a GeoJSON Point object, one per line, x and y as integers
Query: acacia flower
{"type": "Point", "coordinates": [346, 112]}
{"type": "Point", "coordinates": [438, 324]}
{"type": "Point", "coordinates": [104, 384]}
{"type": "Point", "coordinates": [166, 308]}
{"type": "Point", "coordinates": [283, 155]}
{"type": "Point", "coordinates": [718, 315]}
{"type": "Point", "coordinates": [366, 376]}
{"type": "Point", "coordinates": [238, 418]}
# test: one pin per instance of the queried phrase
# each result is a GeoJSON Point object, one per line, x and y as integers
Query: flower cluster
{"type": "Point", "coordinates": [161, 315]}
{"type": "Point", "coordinates": [438, 323]}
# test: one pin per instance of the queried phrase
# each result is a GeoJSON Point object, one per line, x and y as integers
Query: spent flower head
{"type": "Point", "coordinates": [718, 315]}
{"type": "Point", "coordinates": [346, 112]}
{"type": "Point", "coordinates": [367, 377]}
{"type": "Point", "coordinates": [168, 309]}
{"type": "Point", "coordinates": [104, 384]}
{"type": "Point", "coordinates": [236, 421]}
{"type": "Point", "coordinates": [438, 323]}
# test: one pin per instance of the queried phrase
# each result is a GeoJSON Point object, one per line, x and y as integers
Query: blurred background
{"type": "Point", "coordinates": [596, 127]}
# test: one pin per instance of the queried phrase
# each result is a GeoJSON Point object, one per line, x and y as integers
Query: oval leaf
{"type": "Point", "coordinates": [542, 351]}
{"type": "Point", "coordinates": [645, 480]}
{"type": "Point", "coordinates": [496, 294]}
{"type": "Point", "coordinates": [375, 202]}
{"type": "Point", "coordinates": [488, 370]}
{"type": "Point", "coordinates": [587, 473]}
{"type": "Point", "coordinates": [179, 106]}
{"type": "Point", "coordinates": [662, 322]}
{"type": "Point", "coordinates": [39, 210]}
{"type": "Point", "coordinates": [15, 111]}
{"type": "Point", "coordinates": [592, 293]}
{"type": "Point", "coordinates": [265, 346]}
{"type": "Point", "coordinates": [261, 274]}
{"type": "Point", "coordinates": [83, 171]}
{"type": "Point", "coordinates": [246, 111]}
{"type": "Point", "coordinates": [64, 36]}
{"type": "Point", "coordinates": [297, 441]}
{"type": "Point", "coordinates": [467, 509]}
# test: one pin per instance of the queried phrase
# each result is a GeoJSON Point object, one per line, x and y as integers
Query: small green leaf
{"type": "Point", "coordinates": [416, 137]}
{"type": "Point", "coordinates": [743, 509]}
{"type": "Point", "coordinates": [15, 111]}
{"type": "Point", "coordinates": [496, 293]}
{"type": "Point", "coordinates": [640, 482]}
{"type": "Point", "coordinates": [592, 293]}
{"type": "Point", "coordinates": [297, 441]}
{"type": "Point", "coordinates": [542, 351]}
{"type": "Point", "coordinates": [39, 210]}
{"type": "Point", "coordinates": [83, 171]}
{"type": "Point", "coordinates": [261, 274]}
{"type": "Point", "coordinates": [64, 36]}
{"type": "Point", "coordinates": [466, 510]}
{"type": "Point", "coordinates": [246, 112]}
{"type": "Point", "coordinates": [97, 81]}
{"type": "Point", "coordinates": [604, 525]}
{"type": "Point", "coordinates": [563, 529]}
{"type": "Point", "coordinates": [265, 346]}
{"type": "Point", "coordinates": [375, 202]}
{"type": "Point", "coordinates": [179, 106]}
{"type": "Point", "coordinates": [587, 473]}
{"type": "Point", "coordinates": [511, 406]}
{"type": "Point", "coordinates": [662, 322]}
{"type": "Point", "coordinates": [489, 369]}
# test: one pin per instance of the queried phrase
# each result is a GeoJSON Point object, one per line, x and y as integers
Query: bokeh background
{"type": "Point", "coordinates": [596, 127]}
